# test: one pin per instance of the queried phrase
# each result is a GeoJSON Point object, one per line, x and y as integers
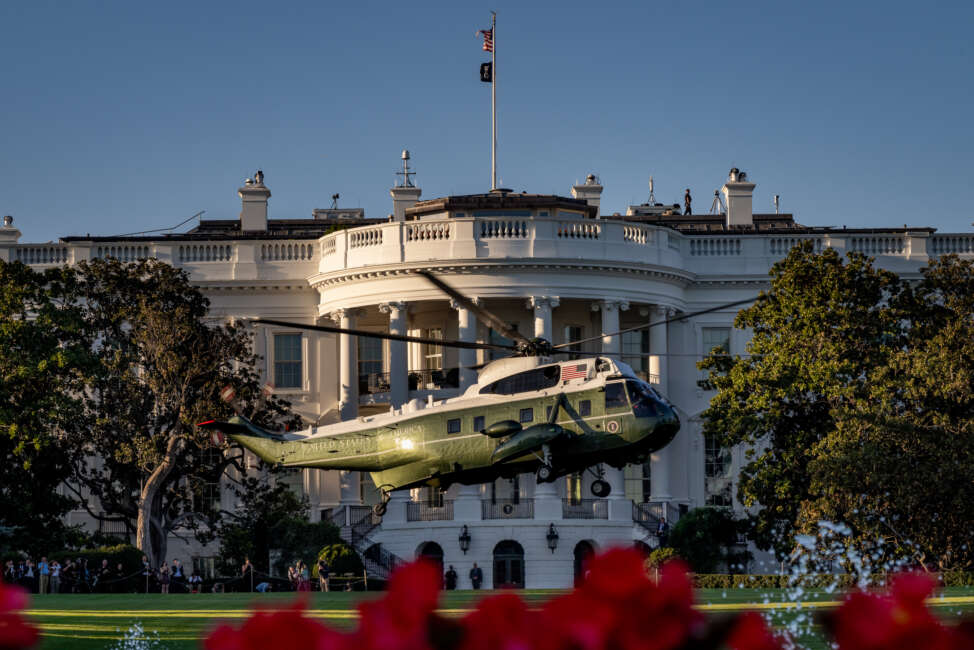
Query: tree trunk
{"type": "Point", "coordinates": [150, 536]}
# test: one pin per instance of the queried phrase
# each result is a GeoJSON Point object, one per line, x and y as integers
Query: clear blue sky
{"type": "Point", "coordinates": [124, 116]}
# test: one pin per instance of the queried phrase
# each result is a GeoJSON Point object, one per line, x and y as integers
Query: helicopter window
{"type": "Point", "coordinates": [453, 426]}
{"type": "Point", "coordinates": [643, 399]}
{"type": "Point", "coordinates": [522, 382]}
{"type": "Point", "coordinates": [527, 415]}
{"type": "Point", "coordinates": [585, 408]}
{"type": "Point", "coordinates": [615, 395]}
{"type": "Point", "coordinates": [547, 413]}
{"type": "Point", "coordinates": [478, 423]}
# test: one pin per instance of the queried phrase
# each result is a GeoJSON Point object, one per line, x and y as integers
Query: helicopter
{"type": "Point", "coordinates": [526, 413]}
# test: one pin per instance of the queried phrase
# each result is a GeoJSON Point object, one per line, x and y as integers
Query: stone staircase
{"type": "Point", "coordinates": [355, 524]}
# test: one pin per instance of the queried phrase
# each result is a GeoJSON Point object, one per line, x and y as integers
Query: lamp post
{"type": "Point", "coordinates": [464, 539]}
{"type": "Point", "coordinates": [552, 537]}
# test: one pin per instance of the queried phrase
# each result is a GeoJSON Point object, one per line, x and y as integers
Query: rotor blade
{"type": "Point", "coordinates": [482, 314]}
{"type": "Point", "coordinates": [660, 322]}
{"type": "Point", "coordinates": [384, 335]}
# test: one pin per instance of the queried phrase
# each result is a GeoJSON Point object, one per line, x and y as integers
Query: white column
{"type": "Point", "coordinates": [398, 370]}
{"type": "Point", "coordinates": [661, 460]}
{"type": "Point", "coordinates": [467, 332]}
{"type": "Point", "coordinates": [611, 345]}
{"type": "Point", "coordinates": [348, 482]}
{"type": "Point", "coordinates": [466, 507]}
{"type": "Point", "coordinates": [619, 509]}
{"type": "Point", "coordinates": [542, 306]}
{"type": "Point", "coordinates": [348, 364]}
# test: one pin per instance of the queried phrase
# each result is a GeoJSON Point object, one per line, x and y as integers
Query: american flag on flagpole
{"type": "Point", "coordinates": [574, 371]}
{"type": "Point", "coordinates": [488, 39]}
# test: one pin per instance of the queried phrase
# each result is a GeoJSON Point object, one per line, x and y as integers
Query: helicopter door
{"type": "Point", "coordinates": [615, 398]}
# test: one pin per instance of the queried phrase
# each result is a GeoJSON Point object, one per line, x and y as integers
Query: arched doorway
{"type": "Point", "coordinates": [508, 564]}
{"type": "Point", "coordinates": [583, 553]}
{"type": "Point", "coordinates": [431, 552]}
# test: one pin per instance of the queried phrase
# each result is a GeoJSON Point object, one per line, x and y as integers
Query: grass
{"type": "Point", "coordinates": [181, 620]}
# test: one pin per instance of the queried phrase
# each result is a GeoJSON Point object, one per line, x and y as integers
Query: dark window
{"type": "Point", "coordinates": [585, 408]}
{"type": "Point", "coordinates": [453, 426]}
{"type": "Point", "coordinates": [615, 395]}
{"type": "Point", "coordinates": [478, 423]}
{"type": "Point", "coordinates": [527, 415]}
{"type": "Point", "coordinates": [537, 379]}
{"type": "Point", "coordinates": [287, 361]}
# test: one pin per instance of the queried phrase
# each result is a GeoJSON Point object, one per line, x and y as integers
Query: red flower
{"type": "Point", "coordinates": [751, 632]}
{"type": "Point", "coordinates": [15, 631]}
{"type": "Point", "coordinates": [283, 629]}
{"type": "Point", "coordinates": [897, 621]}
{"type": "Point", "coordinates": [401, 619]}
{"type": "Point", "coordinates": [500, 622]}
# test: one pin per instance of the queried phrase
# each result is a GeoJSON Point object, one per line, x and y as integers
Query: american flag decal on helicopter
{"type": "Point", "coordinates": [574, 372]}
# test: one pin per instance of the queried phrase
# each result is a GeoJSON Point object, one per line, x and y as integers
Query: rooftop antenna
{"type": "Point", "coordinates": [406, 173]}
{"type": "Point", "coordinates": [334, 201]}
{"type": "Point", "coordinates": [776, 199]}
{"type": "Point", "coordinates": [717, 207]}
{"type": "Point", "coordinates": [652, 197]}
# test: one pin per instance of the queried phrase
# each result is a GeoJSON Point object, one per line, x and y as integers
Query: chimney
{"type": "Point", "coordinates": [590, 192]}
{"type": "Point", "coordinates": [404, 194]}
{"type": "Point", "coordinates": [8, 233]}
{"type": "Point", "coordinates": [253, 196]}
{"type": "Point", "coordinates": [737, 196]}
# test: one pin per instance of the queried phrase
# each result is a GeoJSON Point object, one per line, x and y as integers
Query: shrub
{"type": "Point", "coordinates": [341, 558]}
{"type": "Point", "coordinates": [128, 555]}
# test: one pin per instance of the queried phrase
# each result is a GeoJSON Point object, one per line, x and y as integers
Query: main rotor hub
{"type": "Point", "coordinates": [536, 347]}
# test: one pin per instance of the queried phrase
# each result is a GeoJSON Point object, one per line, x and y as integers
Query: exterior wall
{"type": "Point", "coordinates": [503, 261]}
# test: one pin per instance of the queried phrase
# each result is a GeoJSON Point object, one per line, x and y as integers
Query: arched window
{"type": "Point", "coordinates": [431, 552]}
{"type": "Point", "coordinates": [584, 551]}
{"type": "Point", "coordinates": [508, 564]}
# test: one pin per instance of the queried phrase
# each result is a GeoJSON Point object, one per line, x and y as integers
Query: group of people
{"type": "Point", "coordinates": [170, 577]}
{"type": "Point", "coordinates": [73, 576]}
{"type": "Point", "coordinates": [298, 576]}
{"type": "Point", "coordinates": [476, 577]}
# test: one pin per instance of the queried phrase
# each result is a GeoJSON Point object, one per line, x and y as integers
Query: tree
{"type": "Point", "coordinates": [161, 366]}
{"type": "Point", "coordinates": [898, 467]}
{"type": "Point", "coordinates": [271, 517]}
{"type": "Point", "coordinates": [43, 357]}
{"type": "Point", "coordinates": [705, 538]}
{"type": "Point", "coordinates": [841, 404]}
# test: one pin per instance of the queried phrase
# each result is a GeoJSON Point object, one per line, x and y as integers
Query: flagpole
{"type": "Point", "coordinates": [493, 102]}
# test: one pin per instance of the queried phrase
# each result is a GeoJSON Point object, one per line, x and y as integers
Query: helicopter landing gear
{"type": "Point", "coordinates": [601, 488]}
{"type": "Point", "coordinates": [546, 471]}
{"type": "Point", "coordinates": [380, 508]}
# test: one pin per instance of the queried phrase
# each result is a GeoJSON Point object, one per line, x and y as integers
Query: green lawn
{"type": "Point", "coordinates": [180, 620]}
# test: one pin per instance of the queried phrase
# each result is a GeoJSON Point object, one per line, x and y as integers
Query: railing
{"type": "Point", "coordinates": [389, 562]}
{"type": "Point", "coordinates": [49, 254]}
{"type": "Point", "coordinates": [946, 244]}
{"type": "Point", "coordinates": [646, 516]}
{"type": "Point", "coordinates": [579, 230]}
{"type": "Point", "coordinates": [287, 252]}
{"type": "Point", "coordinates": [427, 512]}
{"type": "Point", "coordinates": [662, 510]}
{"type": "Point", "coordinates": [783, 245]}
{"type": "Point", "coordinates": [113, 527]}
{"type": "Point", "coordinates": [363, 520]}
{"type": "Point", "coordinates": [584, 509]}
{"type": "Point", "coordinates": [878, 245]}
{"type": "Point", "coordinates": [715, 246]}
{"type": "Point", "coordinates": [365, 237]}
{"type": "Point", "coordinates": [637, 234]}
{"type": "Point", "coordinates": [507, 509]}
{"type": "Point", "coordinates": [328, 246]}
{"type": "Point", "coordinates": [503, 229]}
{"type": "Point", "coordinates": [122, 252]}
{"type": "Point", "coordinates": [381, 382]}
{"type": "Point", "coordinates": [427, 231]}
{"type": "Point", "coordinates": [205, 253]}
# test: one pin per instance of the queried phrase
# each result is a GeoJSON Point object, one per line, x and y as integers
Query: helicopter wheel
{"type": "Point", "coordinates": [544, 473]}
{"type": "Point", "coordinates": [601, 488]}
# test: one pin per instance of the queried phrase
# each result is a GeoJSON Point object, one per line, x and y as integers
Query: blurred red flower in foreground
{"type": "Point", "coordinates": [617, 607]}
{"type": "Point", "coordinates": [15, 631]}
{"type": "Point", "coordinates": [899, 619]}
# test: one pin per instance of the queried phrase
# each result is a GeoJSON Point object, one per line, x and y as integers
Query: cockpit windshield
{"type": "Point", "coordinates": [643, 398]}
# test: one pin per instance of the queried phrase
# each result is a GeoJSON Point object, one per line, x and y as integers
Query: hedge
{"type": "Point", "coordinates": [811, 581]}
{"type": "Point", "coordinates": [128, 555]}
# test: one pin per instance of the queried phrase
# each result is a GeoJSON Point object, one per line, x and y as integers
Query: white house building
{"type": "Point", "coordinates": [552, 266]}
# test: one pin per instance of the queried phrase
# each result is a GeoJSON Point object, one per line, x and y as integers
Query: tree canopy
{"type": "Point", "coordinates": [854, 403]}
